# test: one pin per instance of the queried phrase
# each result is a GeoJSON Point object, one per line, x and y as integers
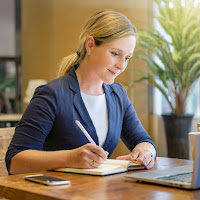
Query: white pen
{"type": "Point", "coordinates": [85, 132]}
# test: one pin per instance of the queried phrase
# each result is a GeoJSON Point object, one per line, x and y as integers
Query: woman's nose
{"type": "Point", "coordinates": [121, 65]}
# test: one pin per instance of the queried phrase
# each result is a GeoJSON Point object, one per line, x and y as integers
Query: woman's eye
{"type": "Point", "coordinates": [114, 53]}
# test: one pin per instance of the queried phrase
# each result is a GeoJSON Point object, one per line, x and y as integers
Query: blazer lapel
{"type": "Point", "coordinates": [80, 107]}
{"type": "Point", "coordinates": [111, 106]}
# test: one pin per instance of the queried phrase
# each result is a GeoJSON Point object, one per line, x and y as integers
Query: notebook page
{"type": "Point", "coordinates": [104, 168]}
{"type": "Point", "coordinates": [122, 163]}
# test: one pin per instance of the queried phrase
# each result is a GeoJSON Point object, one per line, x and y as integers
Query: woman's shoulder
{"type": "Point", "coordinates": [58, 82]}
{"type": "Point", "coordinates": [55, 86]}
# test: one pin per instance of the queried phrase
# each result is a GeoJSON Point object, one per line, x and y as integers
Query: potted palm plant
{"type": "Point", "coordinates": [174, 65]}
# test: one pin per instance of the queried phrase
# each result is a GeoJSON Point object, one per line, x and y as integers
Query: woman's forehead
{"type": "Point", "coordinates": [126, 43]}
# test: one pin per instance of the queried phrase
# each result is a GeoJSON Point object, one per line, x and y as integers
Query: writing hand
{"type": "Point", "coordinates": [88, 156]}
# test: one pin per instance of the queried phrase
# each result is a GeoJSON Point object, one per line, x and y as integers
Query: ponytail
{"type": "Point", "coordinates": [67, 63]}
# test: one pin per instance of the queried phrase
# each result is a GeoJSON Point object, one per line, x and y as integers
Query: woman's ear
{"type": "Point", "coordinates": [89, 44]}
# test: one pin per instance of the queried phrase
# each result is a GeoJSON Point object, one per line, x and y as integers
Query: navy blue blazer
{"type": "Point", "coordinates": [48, 123]}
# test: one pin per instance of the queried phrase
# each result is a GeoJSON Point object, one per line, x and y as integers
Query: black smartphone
{"type": "Point", "coordinates": [46, 179]}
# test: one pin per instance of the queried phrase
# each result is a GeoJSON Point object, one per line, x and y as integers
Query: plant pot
{"type": "Point", "coordinates": [177, 127]}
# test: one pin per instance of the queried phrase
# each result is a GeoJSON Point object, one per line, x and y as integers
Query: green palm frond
{"type": "Point", "coordinates": [194, 47]}
{"type": "Point", "coordinates": [174, 65]}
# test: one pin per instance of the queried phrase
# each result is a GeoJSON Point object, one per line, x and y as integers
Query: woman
{"type": "Point", "coordinates": [47, 136]}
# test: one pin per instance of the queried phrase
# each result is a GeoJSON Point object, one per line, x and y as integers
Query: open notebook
{"type": "Point", "coordinates": [187, 176]}
{"type": "Point", "coordinates": [110, 166]}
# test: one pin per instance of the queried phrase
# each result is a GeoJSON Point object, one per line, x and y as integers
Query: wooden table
{"type": "Point", "coordinates": [85, 187]}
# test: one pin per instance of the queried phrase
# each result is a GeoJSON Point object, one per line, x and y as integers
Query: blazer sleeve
{"type": "Point", "coordinates": [36, 123]}
{"type": "Point", "coordinates": [133, 132]}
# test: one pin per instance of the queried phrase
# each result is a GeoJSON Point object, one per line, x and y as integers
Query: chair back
{"type": "Point", "coordinates": [6, 135]}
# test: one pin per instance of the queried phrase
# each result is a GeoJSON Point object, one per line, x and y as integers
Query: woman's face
{"type": "Point", "coordinates": [110, 59]}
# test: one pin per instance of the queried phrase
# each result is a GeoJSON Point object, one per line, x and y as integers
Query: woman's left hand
{"type": "Point", "coordinates": [141, 155]}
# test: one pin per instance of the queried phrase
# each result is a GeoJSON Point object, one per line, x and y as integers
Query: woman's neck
{"type": "Point", "coordinates": [87, 81]}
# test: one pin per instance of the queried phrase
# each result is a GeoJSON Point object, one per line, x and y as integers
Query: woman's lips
{"type": "Point", "coordinates": [113, 73]}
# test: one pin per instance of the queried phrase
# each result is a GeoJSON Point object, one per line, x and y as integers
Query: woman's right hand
{"type": "Point", "coordinates": [88, 156]}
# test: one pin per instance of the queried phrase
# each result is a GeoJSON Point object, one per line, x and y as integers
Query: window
{"type": "Point", "coordinates": [160, 105]}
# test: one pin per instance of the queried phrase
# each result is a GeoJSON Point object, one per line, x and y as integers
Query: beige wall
{"type": "Point", "coordinates": [36, 44]}
{"type": "Point", "coordinates": [50, 31]}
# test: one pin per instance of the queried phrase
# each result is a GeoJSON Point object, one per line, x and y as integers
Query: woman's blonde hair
{"type": "Point", "coordinates": [105, 26]}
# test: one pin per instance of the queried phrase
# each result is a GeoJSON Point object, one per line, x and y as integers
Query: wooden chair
{"type": "Point", "coordinates": [6, 135]}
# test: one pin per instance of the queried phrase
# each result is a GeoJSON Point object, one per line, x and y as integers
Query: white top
{"type": "Point", "coordinates": [97, 109]}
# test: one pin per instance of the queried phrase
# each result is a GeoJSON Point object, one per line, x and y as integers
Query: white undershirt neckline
{"type": "Point", "coordinates": [97, 109]}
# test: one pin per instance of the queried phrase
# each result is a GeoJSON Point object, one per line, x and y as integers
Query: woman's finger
{"type": "Point", "coordinates": [151, 164]}
{"type": "Point", "coordinates": [147, 159]}
{"type": "Point", "coordinates": [98, 151]}
{"type": "Point", "coordinates": [125, 157]}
